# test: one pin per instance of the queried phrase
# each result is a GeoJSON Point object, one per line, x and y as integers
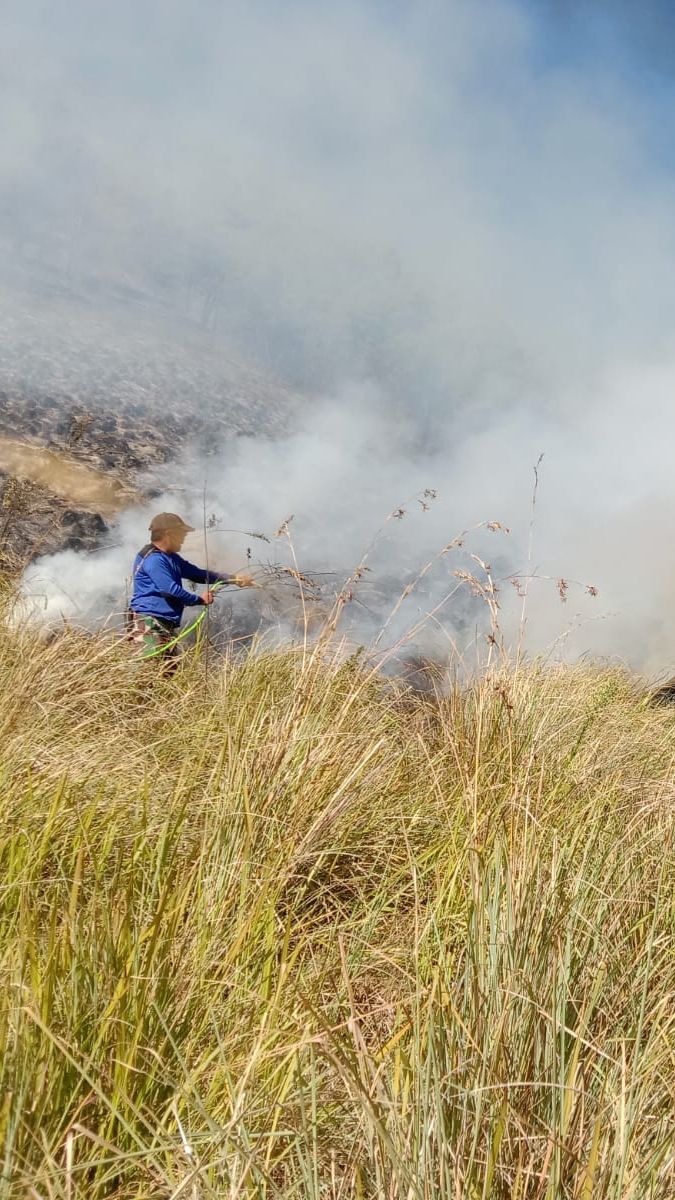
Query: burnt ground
{"type": "Point", "coordinates": [35, 521]}
{"type": "Point", "coordinates": [120, 387]}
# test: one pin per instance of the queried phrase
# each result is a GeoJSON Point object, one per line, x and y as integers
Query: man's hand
{"type": "Point", "coordinates": [243, 580]}
{"type": "Point", "coordinates": [208, 597]}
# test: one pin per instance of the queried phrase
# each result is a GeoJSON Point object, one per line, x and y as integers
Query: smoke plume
{"type": "Point", "coordinates": [451, 236]}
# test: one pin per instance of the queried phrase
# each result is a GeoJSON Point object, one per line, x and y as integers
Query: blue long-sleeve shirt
{"type": "Point", "coordinates": [157, 584]}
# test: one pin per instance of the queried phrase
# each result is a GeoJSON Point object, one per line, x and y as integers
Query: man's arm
{"type": "Point", "coordinates": [198, 575]}
{"type": "Point", "coordinates": [165, 583]}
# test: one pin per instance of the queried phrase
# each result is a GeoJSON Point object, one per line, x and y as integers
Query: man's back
{"type": "Point", "coordinates": [157, 584]}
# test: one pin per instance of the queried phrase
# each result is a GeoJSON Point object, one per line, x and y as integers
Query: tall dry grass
{"type": "Point", "coordinates": [285, 931]}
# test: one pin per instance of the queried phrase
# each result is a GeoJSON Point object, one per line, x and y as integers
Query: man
{"type": "Point", "coordinates": [158, 596]}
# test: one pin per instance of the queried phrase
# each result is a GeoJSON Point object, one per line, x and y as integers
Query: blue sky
{"type": "Point", "coordinates": [632, 41]}
{"type": "Point", "coordinates": [629, 35]}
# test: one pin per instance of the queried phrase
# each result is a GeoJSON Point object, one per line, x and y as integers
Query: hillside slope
{"type": "Point", "coordinates": [118, 389]}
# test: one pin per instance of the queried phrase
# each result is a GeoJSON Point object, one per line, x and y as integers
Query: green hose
{"type": "Point", "coordinates": [184, 632]}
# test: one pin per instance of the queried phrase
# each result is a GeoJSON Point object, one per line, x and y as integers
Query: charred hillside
{"type": "Point", "coordinates": [118, 390]}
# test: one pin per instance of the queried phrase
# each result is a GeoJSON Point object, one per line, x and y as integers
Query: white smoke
{"type": "Point", "coordinates": [338, 483]}
{"type": "Point", "coordinates": [407, 211]}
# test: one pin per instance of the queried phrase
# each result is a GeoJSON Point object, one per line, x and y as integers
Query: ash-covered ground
{"type": "Point", "coordinates": [119, 387]}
